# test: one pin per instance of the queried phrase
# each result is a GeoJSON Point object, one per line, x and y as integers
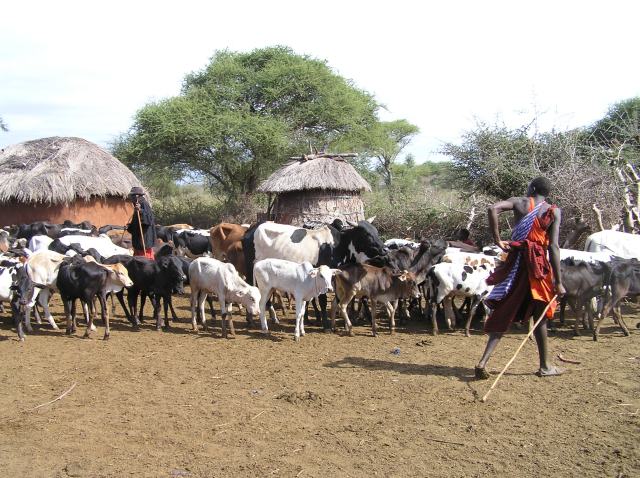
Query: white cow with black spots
{"type": "Point", "coordinates": [449, 280]}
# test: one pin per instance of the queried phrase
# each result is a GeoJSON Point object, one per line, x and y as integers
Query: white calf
{"type": "Point", "coordinates": [457, 280]}
{"type": "Point", "coordinates": [303, 281]}
{"type": "Point", "coordinates": [210, 276]}
{"type": "Point", "coordinates": [42, 268]}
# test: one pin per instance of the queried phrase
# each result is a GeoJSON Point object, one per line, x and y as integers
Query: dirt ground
{"type": "Point", "coordinates": [180, 404]}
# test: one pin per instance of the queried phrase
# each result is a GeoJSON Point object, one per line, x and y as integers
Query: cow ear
{"type": "Point", "coordinates": [240, 293]}
{"type": "Point", "coordinates": [313, 272]}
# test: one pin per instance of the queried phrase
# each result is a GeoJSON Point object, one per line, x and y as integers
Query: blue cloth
{"type": "Point", "coordinates": [520, 233]}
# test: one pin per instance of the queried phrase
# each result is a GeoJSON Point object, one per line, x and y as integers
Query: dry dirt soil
{"type": "Point", "coordinates": [181, 404]}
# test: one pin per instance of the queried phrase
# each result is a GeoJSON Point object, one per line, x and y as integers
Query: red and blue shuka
{"type": "Point", "coordinates": [526, 275]}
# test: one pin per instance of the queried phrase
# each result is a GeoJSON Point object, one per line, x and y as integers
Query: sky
{"type": "Point", "coordinates": [79, 68]}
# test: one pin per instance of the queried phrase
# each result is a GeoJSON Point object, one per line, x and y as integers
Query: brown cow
{"type": "Point", "coordinates": [226, 244]}
{"type": "Point", "coordinates": [379, 284]}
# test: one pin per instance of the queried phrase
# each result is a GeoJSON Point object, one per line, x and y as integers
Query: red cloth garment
{"type": "Point", "coordinates": [148, 253]}
{"type": "Point", "coordinates": [533, 282]}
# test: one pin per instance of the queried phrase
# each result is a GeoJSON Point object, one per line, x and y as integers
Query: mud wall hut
{"type": "Point", "coordinates": [58, 178]}
{"type": "Point", "coordinates": [315, 188]}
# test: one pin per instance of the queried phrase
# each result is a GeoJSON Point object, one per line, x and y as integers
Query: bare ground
{"type": "Point", "coordinates": [175, 404]}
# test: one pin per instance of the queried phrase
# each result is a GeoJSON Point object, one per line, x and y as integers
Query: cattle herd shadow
{"type": "Point", "coordinates": [464, 374]}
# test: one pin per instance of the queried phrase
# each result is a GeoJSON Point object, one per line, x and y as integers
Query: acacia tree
{"type": "Point", "coordinates": [240, 117]}
{"type": "Point", "coordinates": [3, 125]}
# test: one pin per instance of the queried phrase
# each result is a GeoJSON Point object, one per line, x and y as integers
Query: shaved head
{"type": "Point", "coordinates": [541, 186]}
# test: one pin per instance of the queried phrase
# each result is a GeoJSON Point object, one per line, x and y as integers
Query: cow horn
{"type": "Point", "coordinates": [352, 224]}
{"type": "Point", "coordinates": [371, 219]}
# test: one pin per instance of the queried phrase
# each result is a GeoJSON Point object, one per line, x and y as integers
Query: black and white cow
{"type": "Point", "coordinates": [192, 243]}
{"type": "Point", "coordinates": [457, 280]}
{"type": "Point", "coordinates": [327, 246]}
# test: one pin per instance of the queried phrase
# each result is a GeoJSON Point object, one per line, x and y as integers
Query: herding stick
{"type": "Point", "coordinates": [484, 399]}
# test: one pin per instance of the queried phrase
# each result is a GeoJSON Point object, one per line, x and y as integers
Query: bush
{"type": "Point", "coordinates": [192, 204]}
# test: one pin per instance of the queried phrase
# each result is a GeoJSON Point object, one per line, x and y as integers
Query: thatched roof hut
{"type": "Point", "coordinates": [316, 188]}
{"type": "Point", "coordinates": [53, 179]}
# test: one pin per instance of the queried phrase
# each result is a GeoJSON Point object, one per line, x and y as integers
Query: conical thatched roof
{"type": "Point", "coordinates": [60, 170]}
{"type": "Point", "coordinates": [322, 171]}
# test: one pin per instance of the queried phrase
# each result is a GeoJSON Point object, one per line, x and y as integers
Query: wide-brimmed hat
{"type": "Point", "coordinates": [136, 191]}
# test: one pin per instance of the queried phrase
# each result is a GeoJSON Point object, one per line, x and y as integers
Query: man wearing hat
{"type": "Point", "coordinates": [142, 226]}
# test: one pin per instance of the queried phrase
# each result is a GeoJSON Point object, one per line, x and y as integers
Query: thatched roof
{"type": "Point", "coordinates": [324, 171]}
{"type": "Point", "coordinates": [60, 170]}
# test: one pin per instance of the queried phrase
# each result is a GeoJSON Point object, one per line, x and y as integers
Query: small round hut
{"type": "Point", "coordinates": [315, 188]}
{"type": "Point", "coordinates": [54, 179]}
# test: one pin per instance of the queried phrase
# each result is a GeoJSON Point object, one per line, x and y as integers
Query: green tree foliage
{"type": "Point", "coordinates": [383, 142]}
{"type": "Point", "coordinates": [620, 126]}
{"type": "Point", "coordinates": [241, 117]}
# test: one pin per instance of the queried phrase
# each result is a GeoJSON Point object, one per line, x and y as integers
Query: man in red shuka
{"type": "Point", "coordinates": [527, 281]}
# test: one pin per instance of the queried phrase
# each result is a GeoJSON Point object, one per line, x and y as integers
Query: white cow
{"type": "Point", "coordinates": [585, 256]}
{"type": "Point", "coordinates": [303, 281]}
{"type": "Point", "coordinates": [42, 268]}
{"type": "Point", "coordinates": [621, 244]}
{"type": "Point", "coordinates": [39, 242]}
{"type": "Point", "coordinates": [102, 244]}
{"type": "Point", "coordinates": [210, 276]}
{"type": "Point", "coordinates": [458, 280]}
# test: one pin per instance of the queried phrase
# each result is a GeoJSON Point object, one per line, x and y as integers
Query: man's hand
{"type": "Point", "coordinates": [560, 290]}
{"type": "Point", "coordinates": [504, 245]}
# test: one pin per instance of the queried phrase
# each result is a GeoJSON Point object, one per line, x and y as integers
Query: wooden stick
{"type": "Point", "coordinates": [567, 360]}
{"type": "Point", "coordinates": [258, 414]}
{"type": "Point", "coordinates": [55, 399]}
{"type": "Point", "coordinates": [484, 399]}
{"type": "Point", "coordinates": [144, 249]}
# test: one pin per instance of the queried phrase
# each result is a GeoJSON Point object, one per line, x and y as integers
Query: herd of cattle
{"type": "Point", "coordinates": [250, 265]}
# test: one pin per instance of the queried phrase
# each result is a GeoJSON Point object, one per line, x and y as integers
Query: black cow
{"type": "Point", "coordinates": [195, 243]}
{"type": "Point", "coordinates": [157, 279]}
{"type": "Point", "coordinates": [85, 225]}
{"type": "Point", "coordinates": [82, 280]}
{"type": "Point", "coordinates": [27, 231]}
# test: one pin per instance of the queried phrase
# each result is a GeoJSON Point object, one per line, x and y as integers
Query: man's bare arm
{"type": "Point", "coordinates": [492, 212]}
